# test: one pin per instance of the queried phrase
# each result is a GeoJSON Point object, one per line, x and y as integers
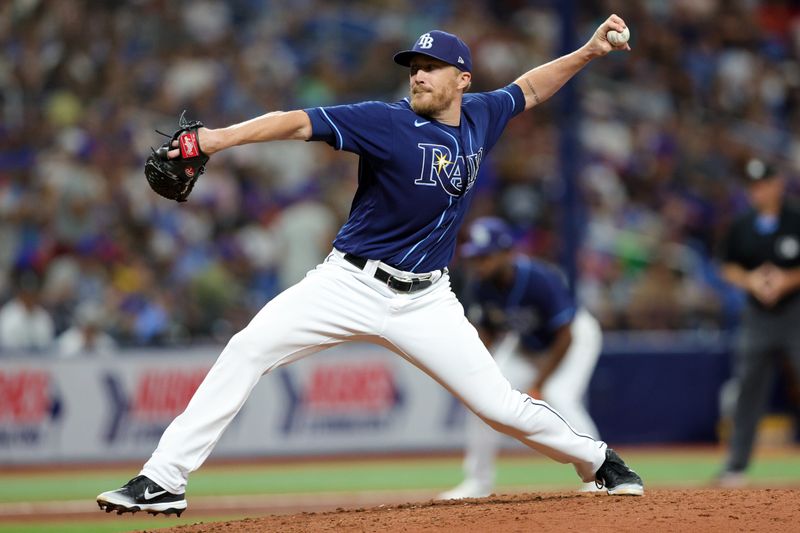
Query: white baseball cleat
{"type": "Point", "coordinates": [469, 488]}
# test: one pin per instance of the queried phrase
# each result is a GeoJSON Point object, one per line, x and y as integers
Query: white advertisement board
{"type": "Point", "coordinates": [354, 398]}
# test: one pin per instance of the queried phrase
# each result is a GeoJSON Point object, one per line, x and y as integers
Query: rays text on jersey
{"type": "Point", "coordinates": [439, 166]}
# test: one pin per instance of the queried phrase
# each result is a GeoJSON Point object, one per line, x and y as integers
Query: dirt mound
{"type": "Point", "coordinates": [705, 510]}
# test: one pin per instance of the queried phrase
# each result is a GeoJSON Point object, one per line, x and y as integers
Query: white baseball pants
{"type": "Point", "coordinates": [336, 303]}
{"type": "Point", "coordinates": [565, 391]}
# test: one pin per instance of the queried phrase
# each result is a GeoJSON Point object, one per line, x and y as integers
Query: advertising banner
{"type": "Point", "coordinates": [354, 398]}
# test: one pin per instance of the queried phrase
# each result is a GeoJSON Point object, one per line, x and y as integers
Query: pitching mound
{"type": "Point", "coordinates": [707, 510]}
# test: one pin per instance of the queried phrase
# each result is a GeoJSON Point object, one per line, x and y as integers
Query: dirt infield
{"type": "Point", "coordinates": [705, 510]}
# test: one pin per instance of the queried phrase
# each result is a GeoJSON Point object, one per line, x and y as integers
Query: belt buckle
{"type": "Point", "coordinates": [399, 284]}
{"type": "Point", "coordinates": [406, 286]}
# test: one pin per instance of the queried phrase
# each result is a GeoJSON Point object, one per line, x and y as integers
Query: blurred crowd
{"type": "Point", "coordinates": [90, 252]}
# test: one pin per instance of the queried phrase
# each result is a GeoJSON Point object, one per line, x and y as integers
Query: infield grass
{"type": "Point", "coordinates": [659, 468]}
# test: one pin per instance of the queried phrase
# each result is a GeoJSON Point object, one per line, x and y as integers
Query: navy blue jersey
{"type": "Point", "coordinates": [415, 174]}
{"type": "Point", "coordinates": [535, 305]}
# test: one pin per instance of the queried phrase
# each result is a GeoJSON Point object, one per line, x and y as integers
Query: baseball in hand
{"type": "Point", "coordinates": [618, 38]}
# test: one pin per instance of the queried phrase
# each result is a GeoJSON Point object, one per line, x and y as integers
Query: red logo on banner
{"type": "Point", "coordinates": [25, 397]}
{"type": "Point", "coordinates": [364, 387]}
{"type": "Point", "coordinates": [163, 394]}
{"type": "Point", "coordinates": [188, 142]}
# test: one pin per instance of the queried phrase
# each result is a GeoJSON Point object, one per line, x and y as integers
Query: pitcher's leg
{"type": "Point", "coordinates": [306, 318]}
{"type": "Point", "coordinates": [433, 333]}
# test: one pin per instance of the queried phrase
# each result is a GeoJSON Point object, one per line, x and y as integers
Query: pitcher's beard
{"type": "Point", "coordinates": [429, 104]}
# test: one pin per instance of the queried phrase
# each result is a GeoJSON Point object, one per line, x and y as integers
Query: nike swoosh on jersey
{"type": "Point", "coordinates": [150, 495]}
{"type": "Point", "coordinates": [418, 123]}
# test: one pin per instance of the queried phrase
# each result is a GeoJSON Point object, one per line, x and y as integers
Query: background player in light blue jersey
{"type": "Point", "coordinates": [386, 281]}
{"type": "Point", "coordinates": [541, 340]}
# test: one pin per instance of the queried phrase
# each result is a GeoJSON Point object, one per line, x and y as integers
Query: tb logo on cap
{"type": "Point", "coordinates": [425, 41]}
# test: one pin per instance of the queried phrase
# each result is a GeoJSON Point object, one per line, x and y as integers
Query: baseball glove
{"type": "Point", "coordinates": [174, 178]}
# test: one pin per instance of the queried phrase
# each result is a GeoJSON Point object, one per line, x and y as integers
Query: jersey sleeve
{"type": "Point", "coordinates": [502, 105]}
{"type": "Point", "coordinates": [364, 128]}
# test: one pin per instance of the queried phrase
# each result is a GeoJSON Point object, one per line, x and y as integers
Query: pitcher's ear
{"type": "Point", "coordinates": [465, 81]}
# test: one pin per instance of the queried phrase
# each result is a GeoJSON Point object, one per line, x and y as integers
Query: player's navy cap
{"type": "Point", "coordinates": [758, 170]}
{"type": "Point", "coordinates": [487, 235]}
{"type": "Point", "coordinates": [439, 45]}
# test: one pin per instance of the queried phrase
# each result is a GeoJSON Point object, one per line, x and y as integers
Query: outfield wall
{"type": "Point", "coordinates": [353, 399]}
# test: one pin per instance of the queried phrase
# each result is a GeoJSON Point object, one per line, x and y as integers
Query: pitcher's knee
{"type": "Point", "coordinates": [244, 347]}
{"type": "Point", "coordinates": [239, 341]}
{"type": "Point", "coordinates": [500, 415]}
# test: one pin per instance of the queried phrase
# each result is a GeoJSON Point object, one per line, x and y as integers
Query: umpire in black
{"type": "Point", "coordinates": [761, 254]}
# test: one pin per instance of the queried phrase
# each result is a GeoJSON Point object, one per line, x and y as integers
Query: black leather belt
{"type": "Point", "coordinates": [391, 281]}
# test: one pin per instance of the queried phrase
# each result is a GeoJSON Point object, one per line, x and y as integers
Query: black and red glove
{"type": "Point", "coordinates": [174, 178]}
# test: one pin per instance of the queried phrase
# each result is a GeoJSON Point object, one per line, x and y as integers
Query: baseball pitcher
{"type": "Point", "coordinates": [385, 280]}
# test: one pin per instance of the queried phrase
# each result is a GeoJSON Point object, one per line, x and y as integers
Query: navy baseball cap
{"type": "Point", "coordinates": [486, 236]}
{"type": "Point", "coordinates": [439, 45]}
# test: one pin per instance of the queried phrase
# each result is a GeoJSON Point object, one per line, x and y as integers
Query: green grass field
{"type": "Point", "coordinates": [659, 468]}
